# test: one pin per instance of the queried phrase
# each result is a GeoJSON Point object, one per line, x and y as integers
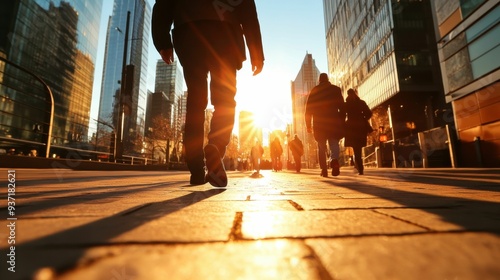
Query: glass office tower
{"type": "Point", "coordinates": [170, 81]}
{"type": "Point", "coordinates": [57, 41]}
{"type": "Point", "coordinates": [304, 82]}
{"type": "Point", "coordinates": [137, 55]}
{"type": "Point", "coordinates": [386, 50]}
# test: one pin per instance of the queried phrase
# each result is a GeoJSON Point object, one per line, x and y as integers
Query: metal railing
{"type": "Point", "coordinates": [49, 97]}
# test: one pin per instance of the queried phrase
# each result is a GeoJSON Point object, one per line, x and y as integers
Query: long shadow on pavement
{"type": "Point", "coordinates": [60, 252]}
{"type": "Point", "coordinates": [477, 179]}
{"type": "Point", "coordinates": [91, 195]}
{"type": "Point", "coordinates": [469, 214]}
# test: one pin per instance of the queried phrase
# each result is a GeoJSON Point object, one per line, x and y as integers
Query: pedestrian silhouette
{"type": "Point", "coordinates": [357, 126]}
{"type": "Point", "coordinates": [276, 152]}
{"type": "Point", "coordinates": [297, 149]}
{"type": "Point", "coordinates": [324, 117]}
{"type": "Point", "coordinates": [209, 38]}
{"type": "Point", "coordinates": [256, 156]}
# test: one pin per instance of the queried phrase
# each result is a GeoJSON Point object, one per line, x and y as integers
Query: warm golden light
{"type": "Point", "coordinates": [261, 227]}
{"type": "Point", "coordinates": [267, 96]}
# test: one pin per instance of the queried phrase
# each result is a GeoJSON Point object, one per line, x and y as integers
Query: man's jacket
{"type": "Point", "coordinates": [241, 15]}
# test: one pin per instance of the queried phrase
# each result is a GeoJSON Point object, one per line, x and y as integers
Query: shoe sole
{"type": "Point", "coordinates": [216, 175]}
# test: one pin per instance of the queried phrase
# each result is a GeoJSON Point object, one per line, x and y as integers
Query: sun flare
{"type": "Point", "coordinates": [267, 96]}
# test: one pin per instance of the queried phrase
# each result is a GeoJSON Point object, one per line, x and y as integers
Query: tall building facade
{"type": "Point", "coordinates": [169, 81]}
{"type": "Point", "coordinates": [306, 80]}
{"type": "Point", "coordinates": [115, 58]}
{"type": "Point", "coordinates": [57, 41]}
{"type": "Point", "coordinates": [386, 50]}
{"type": "Point", "coordinates": [468, 36]}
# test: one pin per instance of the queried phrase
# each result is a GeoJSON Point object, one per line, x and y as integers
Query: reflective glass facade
{"type": "Point", "coordinates": [170, 81]}
{"type": "Point", "coordinates": [360, 48]}
{"type": "Point", "coordinates": [469, 51]}
{"type": "Point", "coordinates": [137, 55]}
{"type": "Point", "coordinates": [386, 50]}
{"type": "Point", "coordinates": [57, 41]}
{"type": "Point", "coordinates": [306, 80]}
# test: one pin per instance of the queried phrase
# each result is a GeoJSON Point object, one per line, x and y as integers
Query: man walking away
{"type": "Point", "coordinates": [209, 38]}
{"type": "Point", "coordinates": [325, 117]}
{"type": "Point", "coordinates": [297, 149]}
{"type": "Point", "coordinates": [256, 156]}
{"type": "Point", "coordinates": [276, 152]}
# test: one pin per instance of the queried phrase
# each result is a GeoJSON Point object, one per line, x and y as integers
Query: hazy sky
{"type": "Point", "coordinates": [290, 29]}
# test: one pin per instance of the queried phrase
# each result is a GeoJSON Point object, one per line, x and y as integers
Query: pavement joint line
{"type": "Point", "coordinates": [404, 221]}
{"type": "Point", "coordinates": [236, 233]}
{"type": "Point", "coordinates": [321, 266]}
{"type": "Point", "coordinates": [249, 240]}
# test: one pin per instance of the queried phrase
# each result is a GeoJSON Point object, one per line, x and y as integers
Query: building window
{"type": "Point", "coordinates": [484, 53]}
{"type": "Point", "coordinates": [468, 6]}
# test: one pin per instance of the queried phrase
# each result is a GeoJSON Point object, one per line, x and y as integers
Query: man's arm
{"type": "Point", "coordinates": [251, 30]}
{"type": "Point", "coordinates": [161, 24]}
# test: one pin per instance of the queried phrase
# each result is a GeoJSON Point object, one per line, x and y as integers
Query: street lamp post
{"type": "Point", "coordinates": [119, 133]}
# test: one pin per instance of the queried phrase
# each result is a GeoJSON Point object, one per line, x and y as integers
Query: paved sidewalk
{"type": "Point", "coordinates": [386, 224]}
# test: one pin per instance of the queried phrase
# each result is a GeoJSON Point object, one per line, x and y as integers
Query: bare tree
{"type": "Point", "coordinates": [158, 138]}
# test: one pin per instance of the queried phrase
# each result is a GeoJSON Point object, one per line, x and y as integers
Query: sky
{"type": "Point", "coordinates": [290, 29]}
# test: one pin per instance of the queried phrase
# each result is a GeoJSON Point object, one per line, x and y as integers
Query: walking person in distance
{"type": "Point", "coordinates": [209, 38]}
{"type": "Point", "coordinates": [357, 126]}
{"type": "Point", "coordinates": [276, 152]}
{"type": "Point", "coordinates": [325, 117]}
{"type": "Point", "coordinates": [256, 157]}
{"type": "Point", "coordinates": [297, 149]}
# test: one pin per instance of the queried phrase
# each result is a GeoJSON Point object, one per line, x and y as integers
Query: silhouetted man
{"type": "Point", "coordinates": [209, 37]}
{"type": "Point", "coordinates": [297, 149]}
{"type": "Point", "coordinates": [325, 116]}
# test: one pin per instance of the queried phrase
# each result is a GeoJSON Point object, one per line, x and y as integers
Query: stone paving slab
{"type": "Point", "coordinates": [389, 224]}
{"type": "Point", "coordinates": [258, 225]}
{"type": "Point", "coordinates": [425, 256]}
{"type": "Point", "coordinates": [275, 259]}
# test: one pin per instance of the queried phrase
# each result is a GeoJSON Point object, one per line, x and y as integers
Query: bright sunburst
{"type": "Point", "coordinates": [267, 96]}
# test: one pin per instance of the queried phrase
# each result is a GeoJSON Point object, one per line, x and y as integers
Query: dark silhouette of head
{"type": "Point", "coordinates": [323, 77]}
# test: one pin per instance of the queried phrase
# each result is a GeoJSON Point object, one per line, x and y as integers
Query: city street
{"type": "Point", "coordinates": [386, 224]}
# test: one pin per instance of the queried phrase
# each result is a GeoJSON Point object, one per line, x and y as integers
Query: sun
{"type": "Point", "coordinates": [267, 97]}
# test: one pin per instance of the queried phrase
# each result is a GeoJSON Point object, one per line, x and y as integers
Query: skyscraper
{"type": "Point", "coordinates": [306, 79]}
{"type": "Point", "coordinates": [57, 41]}
{"type": "Point", "coordinates": [114, 59]}
{"type": "Point", "coordinates": [169, 80]}
{"type": "Point", "coordinates": [386, 50]}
